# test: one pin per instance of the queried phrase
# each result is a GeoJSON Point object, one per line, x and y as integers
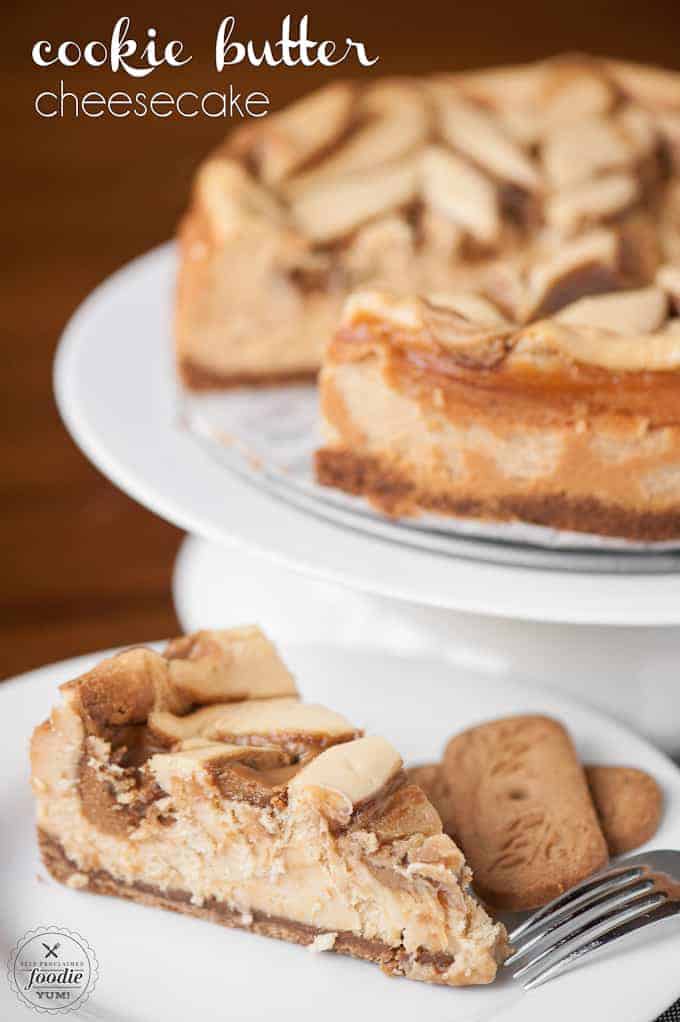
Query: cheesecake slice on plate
{"type": "Point", "coordinates": [197, 780]}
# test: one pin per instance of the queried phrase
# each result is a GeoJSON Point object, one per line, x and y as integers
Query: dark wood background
{"type": "Point", "coordinates": [82, 566]}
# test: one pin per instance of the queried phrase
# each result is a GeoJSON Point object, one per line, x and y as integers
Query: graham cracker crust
{"type": "Point", "coordinates": [196, 377]}
{"type": "Point", "coordinates": [395, 494]}
{"type": "Point", "coordinates": [391, 960]}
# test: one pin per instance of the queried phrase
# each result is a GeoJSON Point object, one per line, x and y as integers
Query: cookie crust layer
{"type": "Point", "coordinates": [394, 493]}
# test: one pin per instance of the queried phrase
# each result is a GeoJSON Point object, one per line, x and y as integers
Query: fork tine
{"type": "Point", "coordinates": [599, 884]}
{"type": "Point", "coordinates": [593, 936]}
{"type": "Point", "coordinates": [601, 911]}
{"type": "Point", "coordinates": [594, 903]}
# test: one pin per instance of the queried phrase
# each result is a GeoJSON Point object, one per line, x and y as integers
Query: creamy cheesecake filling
{"type": "Point", "coordinates": [258, 859]}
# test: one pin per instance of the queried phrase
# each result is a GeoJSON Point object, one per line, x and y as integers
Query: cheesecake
{"type": "Point", "coordinates": [443, 404]}
{"type": "Point", "coordinates": [197, 780]}
{"type": "Point", "coordinates": [533, 185]}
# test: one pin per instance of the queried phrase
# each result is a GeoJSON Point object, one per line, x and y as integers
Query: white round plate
{"type": "Point", "coordinates": [117, 392]}
{"type": "Point", "coordinates": [154, 964]}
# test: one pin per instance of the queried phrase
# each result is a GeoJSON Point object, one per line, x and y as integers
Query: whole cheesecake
{"type": "Point", "coordinates": [536, 185]}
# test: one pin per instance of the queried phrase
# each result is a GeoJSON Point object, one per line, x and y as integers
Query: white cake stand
{"type": "Point", "coordinates": [614, 638]}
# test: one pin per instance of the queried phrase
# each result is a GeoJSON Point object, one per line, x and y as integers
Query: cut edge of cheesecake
{"type": "Point", "coordinates": [440, 403]}
{"type": "Point", "coordinates": [198, 781]}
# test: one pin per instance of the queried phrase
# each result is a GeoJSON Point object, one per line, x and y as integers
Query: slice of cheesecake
{"type": "Point", "coordinates": [197, 780]}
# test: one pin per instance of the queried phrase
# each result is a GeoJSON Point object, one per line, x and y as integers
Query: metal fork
{"type": "Point", "coordinates": [623, 897]}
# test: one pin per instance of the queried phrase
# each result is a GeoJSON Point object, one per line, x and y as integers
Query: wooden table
{"type": "Point", "coordinates": [82, 566]}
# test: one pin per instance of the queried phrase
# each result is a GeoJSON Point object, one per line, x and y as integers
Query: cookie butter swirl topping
{"type": "Point", "coordinates": [347, 777]}
{"type": "Point", "coordinates": [531, 186]}
{"type": "Point", "coordinates": [217, 708]}
{"type": "Point", "coordinates": [432, 182]}
{"type": "Point", "coordinates": [623, 331]}
{"type": "Point", "coordinates": [283, 722]}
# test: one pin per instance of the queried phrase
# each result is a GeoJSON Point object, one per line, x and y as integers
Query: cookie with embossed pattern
{"type": "Point", "coordinates": [629, 805]}
{"type": "Point", "coordinates": [522, 810]}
